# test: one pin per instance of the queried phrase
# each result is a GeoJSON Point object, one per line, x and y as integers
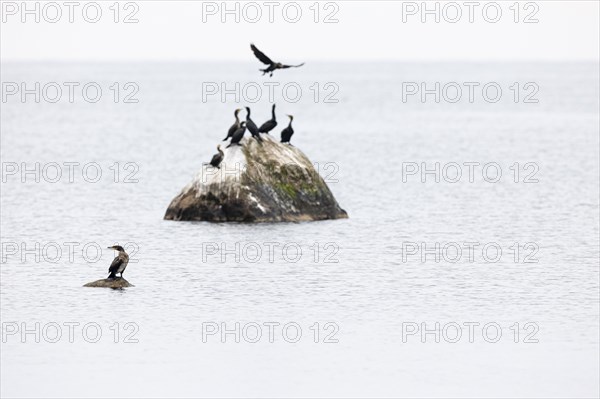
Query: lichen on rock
{"type": "Point", "coordinates": [258, 182]}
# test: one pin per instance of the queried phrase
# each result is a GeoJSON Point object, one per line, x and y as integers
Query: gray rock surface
{"type": "Point", "coordinates": [118, 282]}
{"type": "Point", "coordinates": [259, 182]}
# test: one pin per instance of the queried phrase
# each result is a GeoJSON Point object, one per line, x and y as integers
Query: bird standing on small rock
{"type": "Point", "coordinates": [286, 134]}
{"type": "Point", "coordinates": [270, 124]}
{"type": "Point", "coordinates": [118, 264]}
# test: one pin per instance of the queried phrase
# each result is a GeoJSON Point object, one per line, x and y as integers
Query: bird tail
{"type": "Point", "coordinates": [112, 275]}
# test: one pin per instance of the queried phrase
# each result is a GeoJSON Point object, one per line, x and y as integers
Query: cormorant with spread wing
{"type": "Point", "coordinates": [270, 124]}
{"type": "Point", "coordinates": [235, 126]}
{"type": "Point", "coordinates": [272, 66]}
{"type": "Point", "coordinates": [217, 158]}
{"type": "Point", "coordinates": [238, 135]}
{"type": "Point", "coordinates": [286, 134]}
{"type": "Point", "coordinates": [118, 264]}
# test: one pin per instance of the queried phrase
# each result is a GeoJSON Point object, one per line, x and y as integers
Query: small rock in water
{"type": "Point", "coordinates": [259, 182]}
{"type": "Point", "coordinates": [110, 283]}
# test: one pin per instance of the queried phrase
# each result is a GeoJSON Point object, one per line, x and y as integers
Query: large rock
{"type": "Point", "coordinates": [118, 282]}
{"type": "Point", "coordinates": [259, 182]}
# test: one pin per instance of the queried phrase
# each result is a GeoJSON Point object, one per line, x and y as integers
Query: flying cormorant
{"type": "Point", "coordinates": [286, 134]}
{"type": "Point", "coordinates": [238, 135]}
{"type": "Point", "coordinates": [272, 66]}
{"type": "Point", "coordinates": [270, 124]}
{"type": "Point", "coordinates": [235, 126]}
{"type": "Point", "coordinates": [118, 264]}
{"type": "Point", "coordinates": [251, 125]}
{"type": "Point", "coordinates": [217, 158]}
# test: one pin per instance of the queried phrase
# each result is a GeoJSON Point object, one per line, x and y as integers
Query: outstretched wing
{"type": "Point", "coordinates": [291, 66]}
{"type": "Point", "coordinates": [260, 55]}
{"type": "Point", "coordinates": [114, 266]}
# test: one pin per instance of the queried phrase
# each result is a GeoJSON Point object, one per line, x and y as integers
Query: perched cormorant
{"type": "Point", "coordinates": [270, 124]}
{"type": "Point", "coordinates": [238, 135]}
{"type": "Point", "coordinates": [286, 134]}
{"type": "Point", "coordinates": [251, 125]}
{"type": "Point", "coordinates": [235, 126]}
{"type": "Point", "coordinates": [118, 264]}
{"type": "Point", "coordinates": [217, 158]}
{"type": "Point", "coordinates": [272, 66]}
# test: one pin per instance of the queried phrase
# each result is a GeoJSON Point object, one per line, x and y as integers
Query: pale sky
{"type": "Point", "coordinates": [365, 31]}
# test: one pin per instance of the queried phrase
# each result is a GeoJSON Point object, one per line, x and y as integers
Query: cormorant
{"type": "Point", "coordinates": [238, 135]}
{"type": "Point", "coordinates": [251, 125]}
{"type": "Point", "coordinates": [235, 126]}
{"type": "Point", "coordinates": [286, 134]}
{"type": "Point", "coordinates": [217, 158]}
{"type": "Point", "coordinates": [270, 124]}
{"type": "Point", "coordinates": [272, 66]}
{"type": "Point", "coordinates": [118, 264]}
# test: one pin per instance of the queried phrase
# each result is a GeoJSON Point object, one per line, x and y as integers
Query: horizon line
{"type": "Point", "coordinates": [322, 61]}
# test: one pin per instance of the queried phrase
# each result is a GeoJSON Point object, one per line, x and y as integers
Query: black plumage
{"type": "Point", "coordinates": [270, 124]}
{"type": "Point", "coordinates": [118, 264]}
{"type": "Point", "coordinates": [286, 134]}
{"type": "Point", "coordinates": [238, 135]}
{"type": "Point", "coordinates": [272, 66]}
{"type": "Point", "coordinates": [217, 158]}
{"type": "Point", "coordinates": [235, 126]}
{"type": "Point", "coordinates": [252, 128]}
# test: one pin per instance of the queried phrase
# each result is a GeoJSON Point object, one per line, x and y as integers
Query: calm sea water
{"type": "Point", "coordinates": [365, 275]}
